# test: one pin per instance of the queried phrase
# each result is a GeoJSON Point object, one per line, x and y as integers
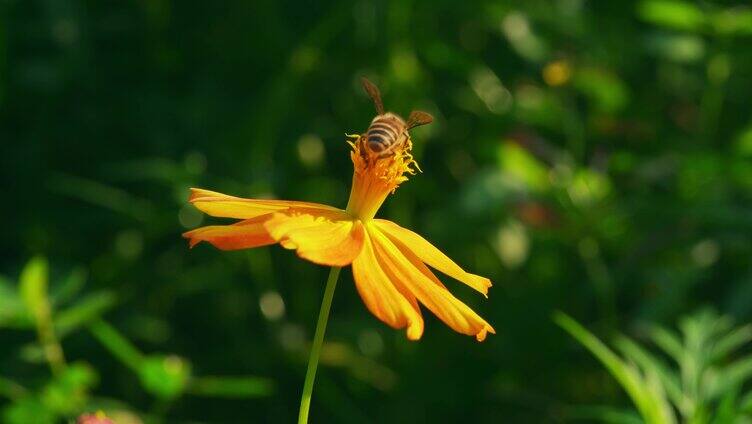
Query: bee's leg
{"type": "Point", "coordinates": [386, 156]}
{"type": "Point", "coordinates": [388, 152]}
{"type": "Point", "coordinates": [363, 150]}
{"type": "Point", "coordinates": [352, 139]}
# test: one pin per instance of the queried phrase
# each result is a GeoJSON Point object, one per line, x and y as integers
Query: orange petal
{"type": "Point", "coordinates": [432, 256]}
{"type": "Point", "coordinates": [224, 206]}
{"type": "Point", "coordinates": [241, 235]}
{"type": "Point", "coordinates": [417, 263]}
{"type": "Point", "coordinates": [397, 309]}
{"type": "Point", "coordinates": [437, 299]}
{"type": "Point", "coordinates": [325, 237]}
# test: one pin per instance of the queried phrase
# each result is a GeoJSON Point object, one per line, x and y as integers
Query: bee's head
{"type": "Point", "coordinates": [390, 116]}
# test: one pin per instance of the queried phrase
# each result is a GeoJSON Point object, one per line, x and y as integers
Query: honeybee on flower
{"type": "Point", "coordinates": [391, 265]}
{"type": "Point", "coordinates": [388, 131]}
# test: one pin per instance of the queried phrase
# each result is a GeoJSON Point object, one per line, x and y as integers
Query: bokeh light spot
{"type": "Point", "coordinates": [705, 253]}
{"type": "Point", "coordinates": [292, 337]}
{"type": "Point", "coordinates": [589, 248]}
{"type": "Point", "coordinates": [129, 244]}
{"type": "Point", "coordinates": [195, 163]}
{"type": "Point", "coordinates": [512, 244]}
{"type": "Point", "coordinates": [490, 90]}
{"type": "Point", "coordinates": [557, 73]}
{"type": "Point", "coordinates": [190, 217]}
{"type": "Point", "coordinates": [311, 150]}
{"type": "Point", "coordinates": [370, 343]}
{"type": "Point", "coordinates": [272, 305]}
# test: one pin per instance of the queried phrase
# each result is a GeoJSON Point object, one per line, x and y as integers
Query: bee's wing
{"type": "Point", "coordinates": [374, 94]}
{"type": "Point", "coordinates": [418, 118]}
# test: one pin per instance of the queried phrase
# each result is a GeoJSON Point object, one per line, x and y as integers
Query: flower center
{"type": "Point", "coordinates": [375, 178]}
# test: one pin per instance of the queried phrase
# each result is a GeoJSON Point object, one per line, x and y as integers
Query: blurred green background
{"type": "Point", "coordinates": [589, 157]}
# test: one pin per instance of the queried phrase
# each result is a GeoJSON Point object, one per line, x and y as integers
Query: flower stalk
{"type": "Point", "coordinates": [318, 341]}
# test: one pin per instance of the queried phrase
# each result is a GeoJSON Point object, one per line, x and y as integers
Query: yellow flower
{"type": "Point", "coordinates": [390, 263]}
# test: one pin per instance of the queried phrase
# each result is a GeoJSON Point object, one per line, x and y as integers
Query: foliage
{"type": "Point", "coordinates": [593, 157]}
{"type": "Point", "coordinates": [704, 381]}
{"type": "Point", "coordinates": [67, 393]}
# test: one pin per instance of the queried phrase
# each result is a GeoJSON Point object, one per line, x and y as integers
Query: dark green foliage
{"type": "Point", "coordinates": [593, 157]}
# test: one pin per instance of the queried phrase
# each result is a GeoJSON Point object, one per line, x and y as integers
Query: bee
{"type": "Point", "coordinates": [388, 131]}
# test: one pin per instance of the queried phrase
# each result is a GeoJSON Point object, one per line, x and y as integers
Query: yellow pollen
{"type": "Point", "coordinates": [374, 178]}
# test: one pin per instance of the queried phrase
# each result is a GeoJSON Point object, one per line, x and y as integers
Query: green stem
{"type": "Point", "coordinates": [117, 344]}
{"type": "Point", "coordinates": [47, 338]}
{"type": "Point", "coordinates": [318, 341]}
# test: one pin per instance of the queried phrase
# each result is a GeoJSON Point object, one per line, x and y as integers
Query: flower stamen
{"type": "Point", "coordinates": [374, 177]}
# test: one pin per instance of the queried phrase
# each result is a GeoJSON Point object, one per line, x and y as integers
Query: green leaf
{"type": "Point", "coordinates": [517, 29]}
{"type": "Point", "coordinates": [706, 325]}
{"type": "Point", "coordinates": [730, 342]}
{"type": "Point", "coordinates": [69, 287]}
{"type": "Point", "coordinates": [84, 311]}
{"type": "Point", "coordinates": [743, 143]}
{"type": "Point", "coordinates": [730, 377]}
{"type": "Point", "coordinates": [522, 167]}
{"type": "Point", "coordinates": [32, 353]}
{"type": "Point", "coordinates": [667, 341]}
{"type": "Point", "coordinates": [33, 288]}
{"type": "Point", "coordinates": [28, 410]}
{"type": "Point", "coordinates": [165, 377]}
{"type": "Point", "coordinates": [67, 394]}
{"type": "Point", "coordinates": [745, 404]}
{"type": "Point", "coordinates": [651, 364]}
{"type": "Point", "coordinates": [117, 344]}
{"type": "Point", "coordinates": [680, 48]}
{"type": "Point", "coordinates": [726, 412]}
{"type": "Point", "coordinates": [605, 90]}
{"type": "Point", "coordinates": [733, 21]}
{"type": "Point", "coordinates": [673, 14]}
{"type": "Point", "coordinates": [13, 313]}
{"type": "Point", "coordinates": [588, 187]}
{"type": "Point", "coordinates": [653, 407]}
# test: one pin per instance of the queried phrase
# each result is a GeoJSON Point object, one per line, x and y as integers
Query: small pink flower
{"type": "Point", "coordinates": [96, 418]}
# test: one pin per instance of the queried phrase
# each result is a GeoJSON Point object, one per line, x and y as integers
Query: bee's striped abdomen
{"type": "Point", "coordinates": [385, 131]}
